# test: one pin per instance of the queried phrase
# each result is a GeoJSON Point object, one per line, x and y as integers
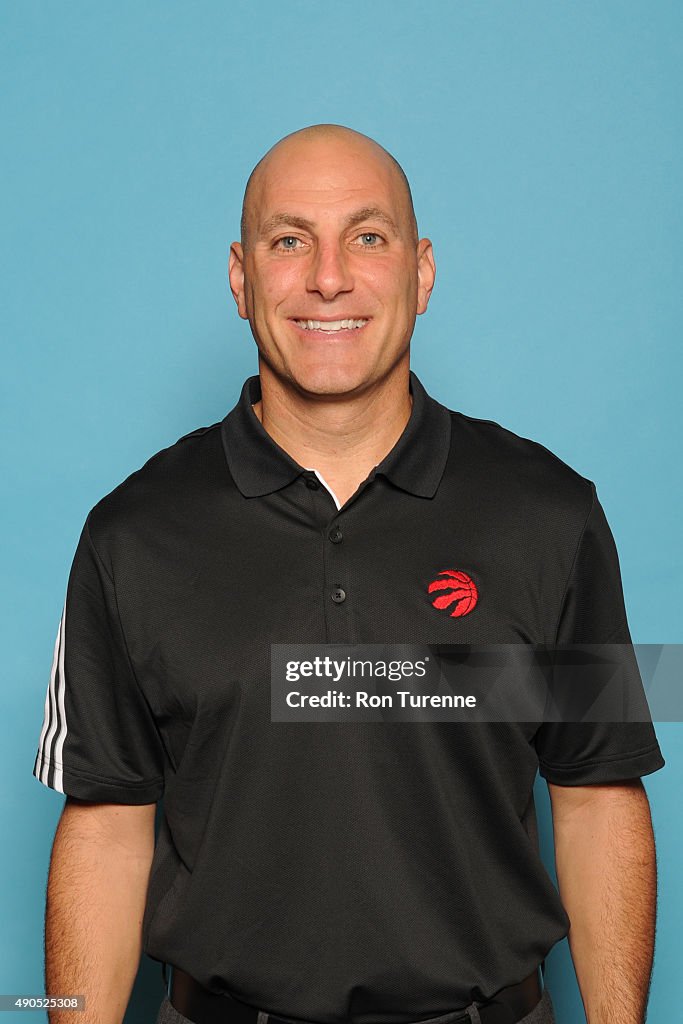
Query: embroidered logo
{"type": "Point", "coordinates": [458, 587]}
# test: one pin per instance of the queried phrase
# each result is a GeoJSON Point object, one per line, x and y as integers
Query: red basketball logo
{"type": "Point", "coordinates": [459, 588]}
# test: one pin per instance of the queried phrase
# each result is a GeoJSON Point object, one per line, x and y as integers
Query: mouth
{"type": "Point", "coordinates": [331, 326]}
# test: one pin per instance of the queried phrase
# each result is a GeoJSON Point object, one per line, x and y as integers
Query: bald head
{"type": "Point", "coordinates": [340, 146]}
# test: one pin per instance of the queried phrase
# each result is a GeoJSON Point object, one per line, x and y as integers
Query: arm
{"type": "Point", "coordinates": [96, 892]}
{"type": "Point", "coordinates": [607, 877]}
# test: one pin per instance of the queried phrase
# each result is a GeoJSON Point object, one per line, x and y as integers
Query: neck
{"type": "Point", "coordinates": [344, 438]}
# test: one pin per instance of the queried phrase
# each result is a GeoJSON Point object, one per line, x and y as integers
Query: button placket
{"type": "Point", "coordinates": [320, 499]}
{"type": "Point", "coordinates": [338, 592]}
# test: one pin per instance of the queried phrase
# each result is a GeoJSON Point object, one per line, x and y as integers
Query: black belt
{"type": "Point", "coordinates": [201, 1006]}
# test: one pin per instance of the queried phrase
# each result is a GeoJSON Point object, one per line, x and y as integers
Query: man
{"type": "Point", "coordinates": [364, 872]}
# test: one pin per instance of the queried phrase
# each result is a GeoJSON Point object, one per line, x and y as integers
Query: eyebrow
{"type": "Point", "coordinates": [365, 213]}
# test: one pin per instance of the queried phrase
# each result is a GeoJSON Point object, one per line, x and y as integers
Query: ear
{"type": "Point", "coordinates": [236, 278]}
{"type": "Point", "coordinates": [426, 273]}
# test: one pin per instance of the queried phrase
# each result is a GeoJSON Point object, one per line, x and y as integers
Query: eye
{"type": "Point", "coordinates": [370, 239]}
{"type": "Point", "coordinates": [287, 242]}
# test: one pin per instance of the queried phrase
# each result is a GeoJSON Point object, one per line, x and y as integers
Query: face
{"type": "Point", "coordinates": [332, 278]}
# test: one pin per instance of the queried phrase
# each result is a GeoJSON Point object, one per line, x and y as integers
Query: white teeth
{"type": "Point", "coordinates": [331, 325]}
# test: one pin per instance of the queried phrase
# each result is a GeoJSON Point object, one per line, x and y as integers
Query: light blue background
{"type": "Point", "coordinates": [543, 143]}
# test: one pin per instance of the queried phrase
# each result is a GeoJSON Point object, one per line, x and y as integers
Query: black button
{"type": "Point", "coordinates": [336, 535]}
{"type": "Point", "coordinates": [312, 484]}
{"type": "Point", "coordinates": [338, 595]}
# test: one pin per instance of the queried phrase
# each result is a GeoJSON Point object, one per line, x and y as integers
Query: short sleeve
{"type": "Point", "coordinates": [99, 740]}
{"type": "Point", "coordinates": [593, 612]}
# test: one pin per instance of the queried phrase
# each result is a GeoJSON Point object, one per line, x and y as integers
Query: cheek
{"type": "Point", "coordinates": [278, 281]}
{"type": "Point", "coordinates": [390, 282]}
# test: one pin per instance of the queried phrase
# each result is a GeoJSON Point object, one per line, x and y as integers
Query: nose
{"type": "Point", "coordinates": [329, 272]}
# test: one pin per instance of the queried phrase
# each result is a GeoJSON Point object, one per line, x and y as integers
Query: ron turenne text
{"type": "Point", "coordinates": [361, 699]}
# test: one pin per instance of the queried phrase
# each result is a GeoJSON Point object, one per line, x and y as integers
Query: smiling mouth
{"type": "Point", "coordinates": [330, 326]}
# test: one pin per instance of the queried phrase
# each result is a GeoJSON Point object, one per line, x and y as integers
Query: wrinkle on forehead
{"type": "Point", "coordinates": [355, 217]}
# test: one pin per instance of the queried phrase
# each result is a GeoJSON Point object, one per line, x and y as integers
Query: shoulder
{"type": "Point", "coordinates": [170, 485]}
{"type": "Point", "coordinates": [519, 470]}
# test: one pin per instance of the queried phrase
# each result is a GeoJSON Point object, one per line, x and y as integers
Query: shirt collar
{"type": "Point", "coordinates": [260, 466]}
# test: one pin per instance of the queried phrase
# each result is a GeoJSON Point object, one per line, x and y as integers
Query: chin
{"type": "Point", "coordinates": [329, 381]}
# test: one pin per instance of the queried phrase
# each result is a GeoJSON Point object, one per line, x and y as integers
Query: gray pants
{"type": "Point", "coordinates": [541, 1014]}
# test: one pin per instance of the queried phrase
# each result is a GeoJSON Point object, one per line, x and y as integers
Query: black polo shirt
{"type": "Point", "coordinates": [361, 871]}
